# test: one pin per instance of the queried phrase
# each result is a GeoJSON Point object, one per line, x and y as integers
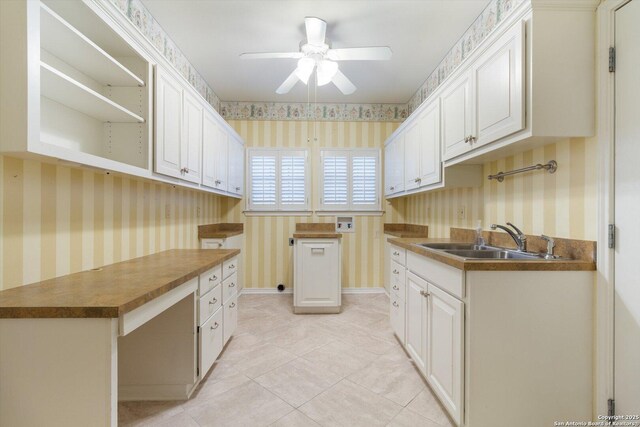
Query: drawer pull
{"type": "Point", "coordinates": [232, 285]}
{"type": "Point", "coordinates": [396, 253]}
{"type": "Point", "coordinates": [425, 294]}
{"type": "Point", "coordinates": [213, 301]}
{"type": "Point", "coordinates": [212, 278]}
{"type": "Point", "coordinates": [215, 326]}
{"type": "Point", "coordinates": [233, 304]}
{"type": "Point", "coordinates": [396, 288]}
{"type": "Point", "coordinates": [237, 188]}
{"type": "Point", "coordinates": [232, 266]}
{"type": "Point", "coordinates": [395, 304]}
{"type": "Point", "coordinates": [396, 272]}
{"type": "Point", "coordinates": [422, 292]}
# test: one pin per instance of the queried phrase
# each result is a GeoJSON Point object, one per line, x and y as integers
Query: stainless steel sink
{"type": "Point", "coordinates": [492, 254]}
{"type": "Point", "coordinates": [455, 246]}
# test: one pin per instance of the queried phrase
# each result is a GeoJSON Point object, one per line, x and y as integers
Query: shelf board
{"type": "Point", "coordinates": [62, 40]}
{"type": "Point", "coordinates": [63, 89]}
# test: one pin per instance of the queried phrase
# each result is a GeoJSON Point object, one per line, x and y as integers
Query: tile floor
{"type": "Point", "coordinates": [282, 369]}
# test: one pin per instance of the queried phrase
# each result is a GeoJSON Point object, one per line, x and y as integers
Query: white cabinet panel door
{"type": "Point", "coordinates": [192, 141]}
{"type": "Point", "coordinates": [412, 142]}
{"type": "Point", "coordinates": [397, 167]}
{"type": "Point", "coordinates": [214, 154]}
{"type": "Point", "coordinates": [317, 273]}
{"type": "Point", "coordinates": [168, 122]}
{"type": "Point", "coordinates": [230, 313]}
{"type": "Point", "coordinates": [457, 117]}
{"type": "Point", "coordinates": [430, 156]}
{"type": "Point", "coordinates": [388, 169]}
{"type": "Point", "coordinates": [397, 316]}
{"type": "Point", "coordinates": [416, 320]}
{"type": "Point", "coordinates": [236, 167]}
{"type": "Point", "coordinates": [211, 341]}
{"type": "Point", "coordinates": [499, 88]}
{"type": "Point", "coordinates": [445, 335]}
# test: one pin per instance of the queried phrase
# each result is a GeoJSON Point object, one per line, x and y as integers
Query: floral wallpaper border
{"type": "Point", "coordinates": [315, 111]}
{"type": "Point", "coordinates": [495, 12]}
{"type": "Point", "coordinates": [142, 19]}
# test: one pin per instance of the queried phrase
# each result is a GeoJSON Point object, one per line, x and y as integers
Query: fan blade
{"type": "Point", "coordinates": [316, 30]}
{"type": "Point", "coordinates": [375, 53]}
{"type": "Point", "coordinates": [343, 83]}
{"type": "Point", "coordinates": [288, 84]}
{"type": "Point", "coordinates": [271, 55]}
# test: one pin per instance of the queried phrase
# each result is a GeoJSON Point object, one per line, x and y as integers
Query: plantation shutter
{"type": "Point", "coordinates": [292, 180]}
{"type": "Point", "coordinates": [262, 173]}
{"type": "Point", "coordinates": [335, 180]}
{"type": "Point", "coordinates": [364, 192]}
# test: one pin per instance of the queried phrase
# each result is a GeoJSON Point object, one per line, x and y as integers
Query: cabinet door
{"type": "Point", "coordinates": [236, 166]}
{"type": "Point", "coordinates": [211, 341]}
{"type": "Point", "coordinates": [191, 147]}
{"type": "Point", "coordinates": [168, 124]}
{"type": "Point", "coordinates": [416, 320]}
{"type": "Point", "coordinates": [230, 311]}
{"type": "Point", "coordinates": [457, 117]}
{"type": "Point", "coordinates": [445, 338]}
{"type": "Point", "coordinates": [317, 273]}
{"type": "Point", "coordinates": [398, 164]}
{"type": "Point", "coordinates": [430, 157]}
{"type": "Point", "coordinates": [388, 169]}
{"type": "Point", "coordinates": [499, 88]}
{"type": "Point", "coordinates": [412, 155]}
{"type": "Point", "coordinates": [209, 136]}
{"type": "Point", "coordinates": [396, 316]}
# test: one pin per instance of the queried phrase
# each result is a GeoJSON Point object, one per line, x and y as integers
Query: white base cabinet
{"type": "Point", "coordinates": [317, 276]}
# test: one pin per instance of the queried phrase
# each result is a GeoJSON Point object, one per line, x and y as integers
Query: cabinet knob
{"type": "Point", "coordinates": [237, 188]}
{"type": "Point", "coordinates": [392, 188]}
{"type": "Point", "coordinates": [218, 182]}
{"type": "Point", "coordinates": [396, 253]}
{"type": "Point", "coordinates": [232, 285]}
{"type": "Point", "coordinates": [396, 288]}
{"type": "Point", "coordinates": [422, 292]}
{"type": "Point", "coordinates": [395, 304]}
{"type": "Point", "coordinates": [212, 278]}
{"type": "Point", "coordinates": [213, 301]}
{"type": "Point", "coordinates": [396, 272]}
{"type": "Point", "coordinates": [233, 304]}
{"type": "Point", "coordinates": [215, 326]}
{"type": "Point", "coordinates": [232, 266]}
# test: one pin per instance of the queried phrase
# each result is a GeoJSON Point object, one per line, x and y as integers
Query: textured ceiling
{"type": "Point", "coordinates": [212, 33]}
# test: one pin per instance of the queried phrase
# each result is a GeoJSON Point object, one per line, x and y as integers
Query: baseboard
{"type": "Point", "coordinates": [155, 392]}
{"type": "Point", "coordinates": [271, 291]}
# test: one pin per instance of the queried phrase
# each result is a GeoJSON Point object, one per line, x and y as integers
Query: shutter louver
{"type": "Point", "coordinates": [335, 180]}
{"type": "Point", "coordinates": [292, 180]}
{"type": "Point", "coordinates": [263, 180]}
{"type": "Point", "coordinates": [364, 180]}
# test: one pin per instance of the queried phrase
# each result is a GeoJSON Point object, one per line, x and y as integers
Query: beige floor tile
{"type": "Point", "coordinates": [147, 413]}
{"type": "Point", "coordinates": [361, 316]}
{"type": "Point", "coordinates": [238, 346]}
{"type": "Point", "coordinates": [262, 359]}
{"type": "Point", "coordinates": [247, 405]}
{"type": "Point", "coordinates": [397, 381]}
{"type": "Point", "coordinates": [339, 357]}
{"type": "Point", "coordinates": [369, 343]}
{"type": "Point", "coordinates": [348, 404]}
{"type": "Point", "coordinates": [427, 405]}
{"type": "Point", "coordinates": [301, 338]}
{"type": "Point", "coordinates": [295, 419]}
{"type": "Point", "coordinates": [407, 418]}
{"type": "Point", "coordinates": [209, 391]}
{"type": "Point", "coordinates": [298, 381]}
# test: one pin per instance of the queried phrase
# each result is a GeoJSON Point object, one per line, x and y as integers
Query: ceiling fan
{"type": "Point", "coordinates": [316, 54]}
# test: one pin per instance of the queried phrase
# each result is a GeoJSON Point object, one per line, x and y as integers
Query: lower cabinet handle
{"type": "Point", "coordinates": [213, 301]}
{"type": "Point", "coordinates": [215, 326]}
{"type": "Point", "coordinates": [233, 304]}
{"type": "Point", "coordinates": [396, 272]}
{"type": "Point", "coordinates": [395, 304]}
{"type": "Point", "coordinates": [237, 188]}
{"type": "Point", "coordinates": [231, 285]}
{"type": "Point", "coordinates": [396, 288]}
{"type": "Point", "coordinates": [422, 292]}
{"type": "Point", "coordinates": [396, 253]}
{"type": "Point", "coordinates": [212, 278]}
{"type": "Point", "coordinates": [232, 266]}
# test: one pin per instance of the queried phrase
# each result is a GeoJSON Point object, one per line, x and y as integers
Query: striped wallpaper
{"type": "Point", "coordinates": [561, 204]}
{"type": "Point", "coordinates": [268, 256]}
{"type": "Point", "coordinates": [57, 220]}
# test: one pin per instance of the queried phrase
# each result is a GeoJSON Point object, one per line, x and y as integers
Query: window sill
{"type": "Point", "coordinates": [278, 213]}
{"type": "Point", "coordinates": [349, 213]}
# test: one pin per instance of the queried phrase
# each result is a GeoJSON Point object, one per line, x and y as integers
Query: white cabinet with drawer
{"type": "Point", "coordinates": [397, 316]}
{"type": "Point", "coordinates": [397, 277]}
{"type": "Point", "coordinates": [211, 342]}
{"type": "Point", "coordinates": [230, 311]}
{"type": "Point", "coordinates": [210, 279]}
{"type": "Point", "coordinates": [398, 255]}
{"type": "Point", "coordinates": [317, 278]}
{"type": "Point", "coordinates": [210, 303]}
{"type": "Point", "coordinates": [229, 287]}
{"type": "Point", "coordinates": [229, 267]}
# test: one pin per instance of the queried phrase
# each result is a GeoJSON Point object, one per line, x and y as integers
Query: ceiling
{"type": "Point", "coordinates": [213, 33]}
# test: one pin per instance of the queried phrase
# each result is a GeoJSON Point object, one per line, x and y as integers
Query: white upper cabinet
{"type": "Point", "coordinates": [236, 166]}
{"type": "Point", "coordinates": [394, 165]}
{"type": "Point", "coordinates": [214, 154]}
{"type": "Point", "coordinates": [499, 89]}
{"type": "Point", "coordinates": [457, 116]}
{"type": "Point", "coordinates": [412, 142]}
{"type": "Point", "coordinates": [168, 103]}
{"type": "Point", "coordinates": [191, 147]}
{"type": "Point", "coordinates": [430, 156]}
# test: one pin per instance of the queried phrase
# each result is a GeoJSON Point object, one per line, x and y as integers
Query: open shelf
{"type": "Point", "coordinates": [68, 44]}
{"type": "Point", "coordinates": [63, 89]}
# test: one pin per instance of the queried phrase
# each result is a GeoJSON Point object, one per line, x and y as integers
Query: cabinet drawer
{"type": "Point", "coordinates": [229, 267]}
{"type": "Point", "coordinates": [210, 303]}
{"type": "Point", "coordinates": [230, 310]}
{"type": "Point", "coordinates": [229, 287]}
{"type": "Point", "coordinates": [211, 341]}
{"type": "Point", "coordinates": [443, 276]}
{"type": "Point", "coordinates": [396, 316]}
{"type": "Point", "coordinates": [397, 279]}
{"type": "Point", "coordinates": [398, 255]}
{"type": "Point", "coordinates": [210, 279]}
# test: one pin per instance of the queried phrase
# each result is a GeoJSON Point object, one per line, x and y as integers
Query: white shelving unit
{"type": "Point", "coordinates": [61, 88]}
{"type": "Point", "coordinates": [73, 47]}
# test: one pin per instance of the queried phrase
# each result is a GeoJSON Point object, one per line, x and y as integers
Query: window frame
{"type": "Point", "coordinates": [350, 207]}
{"type": "Point", "coordinates": [278, 207]}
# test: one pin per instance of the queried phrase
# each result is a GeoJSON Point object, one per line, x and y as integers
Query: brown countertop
{"type": "Point", "coordinates": [490, 264]}
{"type": "Point", "coordinates": [112, 290]}
{"type": "Point", "coordinates": [406, 230]}
{"type": "Point", "coordinates": [220, 231]}
{"type": "Point", "coordinates": [316, 230]}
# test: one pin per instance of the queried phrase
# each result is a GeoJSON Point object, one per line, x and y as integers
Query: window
{"type": "Point", "coordinates": [350, 180]}
{"type": "Point", "coordinates": [278, 180]}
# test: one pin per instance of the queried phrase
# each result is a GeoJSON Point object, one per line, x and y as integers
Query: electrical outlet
{"type": "Point", "coordinates": [462, 212]}
{"type": "Point", "coordinates": [167, 211]}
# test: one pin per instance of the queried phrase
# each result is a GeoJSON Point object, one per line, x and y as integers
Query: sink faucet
{"type": "Point", "coordinates": [519, 238]}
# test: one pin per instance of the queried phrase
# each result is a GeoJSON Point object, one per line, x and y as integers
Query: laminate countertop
{"type": "Point", "coordinates": [468, 264]}
{"type": "Point", "coordinates": [220, 231]}
{"type": "Point", "coordinates": [112, 290]}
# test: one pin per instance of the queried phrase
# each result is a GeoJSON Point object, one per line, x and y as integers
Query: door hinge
{"type": "Point", "coordinates": [612, 236]}
{"type": "Point", "coordinates": [612, 59]}
{"type": "Point", "coordinates": [611, 407]}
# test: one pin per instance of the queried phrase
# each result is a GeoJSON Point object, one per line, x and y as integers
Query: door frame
{"type": "Point", "coordinates": [604, 322]}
